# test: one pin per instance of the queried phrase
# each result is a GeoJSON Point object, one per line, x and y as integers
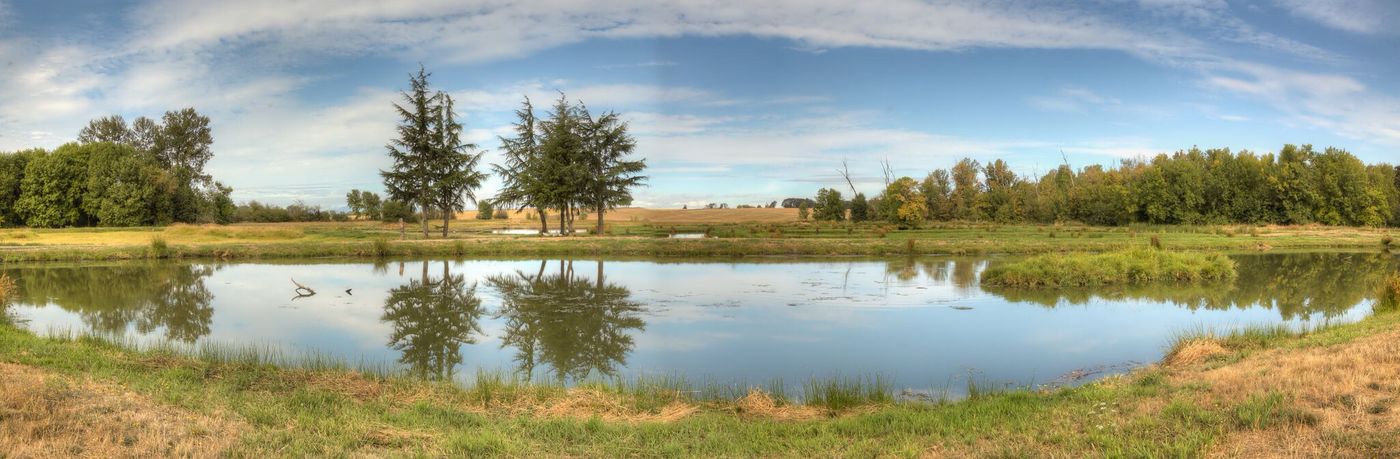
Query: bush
{"type": "Point", "coordinates": [394, 210]}
{"type": "Point", "coordinates": [158, 248]}
{"type": "Point", "coordinates": [484, 210]}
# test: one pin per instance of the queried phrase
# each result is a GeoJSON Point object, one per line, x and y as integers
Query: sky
{"type": "Point", "coordinates": [740, 102]}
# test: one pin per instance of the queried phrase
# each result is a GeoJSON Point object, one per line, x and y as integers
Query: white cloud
{"type": "Point", "coordinates": [1072, 100]}
{"type": "Point", "coordinates": [495, 29]}
{"type": "Point", "coordinates": [646, 64]}
{"type": "Point", "coordinates": [1357, 16]}
{"type": "Point", "coordinates": [1337, 103]}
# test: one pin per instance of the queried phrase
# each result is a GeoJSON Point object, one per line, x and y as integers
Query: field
{"type": "Point", "coordinates": [644, 233]}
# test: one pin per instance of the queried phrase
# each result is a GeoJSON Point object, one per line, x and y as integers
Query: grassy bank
{"type": "Point", "coordinates": [1330, 393]}
{"type": "Point", "coordinates": [1124, 267]}
{"type": "Point", "coordinates": [473, 238]}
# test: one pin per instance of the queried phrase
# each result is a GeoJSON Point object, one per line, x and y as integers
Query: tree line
{"type": "Point", "coordinates": [1299, 185]}
{"type": "Point", "coordinates": [146, 173]}
{"type": "Point", "coordinates": [570, 162]}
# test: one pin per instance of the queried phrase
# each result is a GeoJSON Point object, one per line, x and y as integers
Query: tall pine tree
{"type": "Point", "coordinates": [410, 178]}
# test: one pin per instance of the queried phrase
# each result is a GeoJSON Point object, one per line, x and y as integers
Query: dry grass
{"type": "Point", "coordinates": [46, 415]}
{"type": "Point", "coordinates": [1194, 352]}
{"type": "Point", "coordinates": [760, 405]}
{"type": "Point", "coordinates": [1350, 390]}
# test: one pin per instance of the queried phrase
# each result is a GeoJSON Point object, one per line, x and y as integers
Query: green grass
{"type": "Point", "coordinates": [1126, 267]}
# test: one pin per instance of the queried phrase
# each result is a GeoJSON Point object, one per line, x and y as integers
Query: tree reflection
{"type": "Point", "coordinates": [432, 320]}
{"type": "Point", "coordinates": [1297, 285]}
{"type": "Point", "coordinates": [576, 327]}
{"type": "Point", "coordinates": [154, 295]}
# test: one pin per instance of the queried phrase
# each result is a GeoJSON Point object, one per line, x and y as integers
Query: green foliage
{"type": "Point", "coordinates": [392, 211]}
{"type": "Point", "coordinates": [829, 206]}
{"type": "Point", "coordinates": [860, 208]}
{"type": "Point", "coordinates": [485, 210]}
{"type": "Point", "coordinates": [1135, 266]}
{"type": "Point", "coordinates": [803, 211]}
{"type": "Point", "coordinates": [902, 203]}
{"type": "Point", "coordinates": [126, 187]}
{"type": "Point", "coordinates": [1190, 187]}
{"type": "Point", "coordinates": [51, 192]}
{"type": "Point", "coordinates": [12, 166]}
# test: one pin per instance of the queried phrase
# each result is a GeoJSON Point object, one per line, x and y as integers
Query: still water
{"type": "Point", "coordinates": [923, 324]}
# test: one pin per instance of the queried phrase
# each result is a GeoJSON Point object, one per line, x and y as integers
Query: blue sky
{"type": "Point", "coordinates": [738, 102]}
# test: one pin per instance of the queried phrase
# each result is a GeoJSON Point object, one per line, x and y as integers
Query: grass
{"type": "Point", "coordinates": [1126, 267]}
{"type": "Point", "coordinates": [728, 239]}
{"type": "Point", "coordinates": [251, 401]}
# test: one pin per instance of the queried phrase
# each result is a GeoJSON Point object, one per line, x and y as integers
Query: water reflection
{"type": "Point", "coordinates": [1297, 285]}
{"type": "Point", "coordinates": [431, 321]}
{"type": "Point", "coordinates": [921, 321]}
{"type": "Point", "coordinates": [109, 298]}
{"type": "Point", "coordinates": [575, 326]}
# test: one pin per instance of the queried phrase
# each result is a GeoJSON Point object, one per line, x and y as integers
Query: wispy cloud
{"type": "Point", "coordinates": [646, 64]}
{"type": "Point", "coordinates": [1357, 16]}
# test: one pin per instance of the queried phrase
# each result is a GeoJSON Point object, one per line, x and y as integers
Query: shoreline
{"type": "Point", "coordinates": [1177, 407]}
{"type": "Point", "coordinates": [357, 241]}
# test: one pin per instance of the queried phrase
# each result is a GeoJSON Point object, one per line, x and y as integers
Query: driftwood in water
{"type": "Point", "coordinates": [303, 290]}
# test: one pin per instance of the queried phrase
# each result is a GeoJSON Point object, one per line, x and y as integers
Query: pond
{"type": "Point", "coordinates": [923, 324]}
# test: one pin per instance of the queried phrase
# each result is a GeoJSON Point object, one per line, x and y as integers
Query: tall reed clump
{"type": "Point", "coordinates": [7, 287]}
{"type": "Point", "coordinates": [159, 249]}
{"type": "Point", "coordinates": [840, 393]}
{"type": "Point", "coordinates": [1389, 298]}
{"type": "Point", "coordinates": [379, 247]}
{"type": "Point", "coordinates": [1133, 266]}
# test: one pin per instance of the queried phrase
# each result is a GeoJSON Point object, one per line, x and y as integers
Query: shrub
{"type": "Point", "coordinates": [379, 247]}
{"type": "Point", "coordinates": [158, 248]}
{"type": "Point", "coordinates": [484, 210]}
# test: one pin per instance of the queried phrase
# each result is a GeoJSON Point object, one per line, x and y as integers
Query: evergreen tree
{"type": "Point", "coordinates": [524, 175]}
{"type": "Point", "coordinates": [611, 174]}
{"type": "Point", "coordinates": [455, 177]}
{"type": "Point", "coordinates": [410, 178]}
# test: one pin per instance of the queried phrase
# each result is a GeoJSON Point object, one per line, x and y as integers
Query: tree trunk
{"type": "Point", "coordinates": [563, 218]}
{"type": "Point", "coordinates": [600, 274]}
{"type": "Point", "coordinates": [600, 222]}
{"type": "Point", "coordinates": [424, 218]}
{"type": "Point", "coordinates": [445, 218]}
{"type": "Point", "coordinates": [544, 220]}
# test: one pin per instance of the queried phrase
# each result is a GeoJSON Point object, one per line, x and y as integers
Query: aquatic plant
{"type": "Point", "coordinates": [1134, 266]}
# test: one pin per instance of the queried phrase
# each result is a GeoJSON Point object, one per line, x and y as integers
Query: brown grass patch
{"type": "Point", "coordinates": [758, 403]}
{"type": "Point", "coordinates": [585, 403]}
{"type": "Point", "coordinates": [1352, 388]}
{"type": "Point", "coordinates": [47, 415]}
{"type": "Point", "coordinates": [348, 383]}
{"type": "Point", "coordinates": [1194, 352]}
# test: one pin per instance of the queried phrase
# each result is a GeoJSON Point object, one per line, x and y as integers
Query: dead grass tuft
{"type": "Point", "coordinates": [1194, 352]}
{"type": "Point", "coordinates": [758, 403]}
{"type": "Point", "coordinates": [47, 415]}
{"type": "Point", "coordinates": [348, 383]}
{"type": "Point", "coordinates": [587, 403]}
